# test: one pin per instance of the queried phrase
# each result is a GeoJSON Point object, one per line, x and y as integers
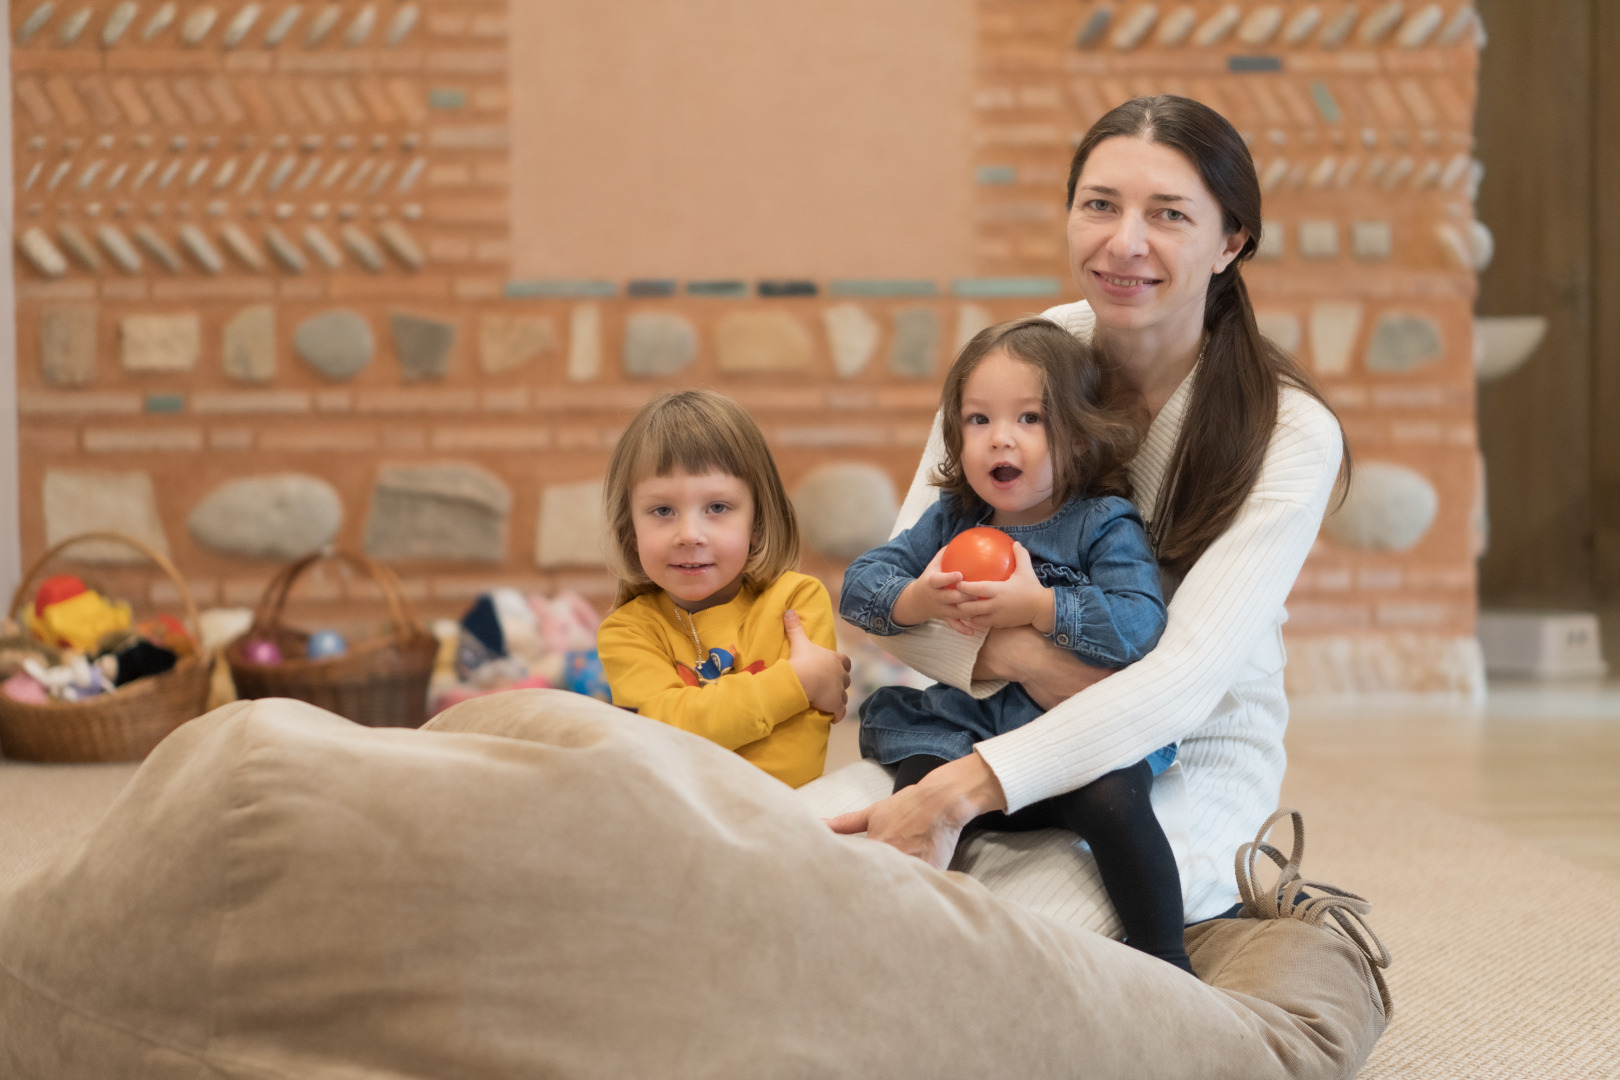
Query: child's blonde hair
{"type": "Point", "coordinates": [698, 431]}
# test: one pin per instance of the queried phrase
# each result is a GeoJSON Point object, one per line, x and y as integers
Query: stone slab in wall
{"type": "Point", "coordinates": [571, 531]}
{"type": "Point", "coordinates": [658, 343]}
{"type": "Point", "coordinates": [1337, 664]}
{"type": "Point", "coordinates": [584, 343]}
{"type": "Point", "coordinates": [273, 517]}
{"type": "Point", "coordinates": [845, 508]}
{"type": "Point", "coordinates": [250, 344]}
{"type": "Point", "coordinates": [852, 336]}
{"type": "Point", "coordinates": [508, 342]}
{"type": "Point", "coordinates": [422, 346]}
{"type": "Point", "coordinates": [1389, 508]}
{"type": "Point", "coordinates": [338, 344]}
{"type": "Point", "coordinates": [161, 343]}
{"type": "Point", "coordinates": [450, 511]}
{"type": "Point", "coordinates": [67, 346]}
{"type": "Point", "coordinates": [764, 341]}
{"type": "Point", "coordinates": [915, 348]}
{"type": "Point", "coordinates": [1402, 343]}
{"type": "Point", "coordinates": [93, 501]}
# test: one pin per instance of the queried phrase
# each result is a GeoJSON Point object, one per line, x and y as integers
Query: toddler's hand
{"type": "Point", "coordinates": [933, 595]}
{"type": "Point", "coordinates": [1021, 600]}
{"type": "Point", "coordinates": [823, 673]}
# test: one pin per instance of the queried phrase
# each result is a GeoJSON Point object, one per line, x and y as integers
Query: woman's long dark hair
{"type": "Point", "coordinates": [1233, 410]}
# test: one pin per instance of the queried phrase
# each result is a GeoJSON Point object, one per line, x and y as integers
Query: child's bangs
{"type": "Point", "coordinates": [674, 444]}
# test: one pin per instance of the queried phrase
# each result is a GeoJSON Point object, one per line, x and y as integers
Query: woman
{"type": "Point", "coordinates": [1236, 472]}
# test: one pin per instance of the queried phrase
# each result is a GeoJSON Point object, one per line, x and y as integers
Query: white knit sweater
{"type": "Point", "coordinates": [1214, 684]}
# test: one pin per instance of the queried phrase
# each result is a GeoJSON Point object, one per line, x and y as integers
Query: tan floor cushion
{"type": "Point", "coordinates": [539, 885]}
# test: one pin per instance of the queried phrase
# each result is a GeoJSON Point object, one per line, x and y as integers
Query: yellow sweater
{"type": "Point", "coordinates": [733, 686]}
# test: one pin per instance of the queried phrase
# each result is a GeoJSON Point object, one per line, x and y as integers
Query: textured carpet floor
{"type": "Point", "coordinates": [1507, 960]}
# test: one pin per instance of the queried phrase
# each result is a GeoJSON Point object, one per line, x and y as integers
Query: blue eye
{"type": "Point", "coordinates": [718, 508]}
{"type": "Point", "coordinates": [1097, 204]}
{"type": "Point", "coordinates": [661, 511]}
{"type": "Point", "coordinates": [1175, 215]}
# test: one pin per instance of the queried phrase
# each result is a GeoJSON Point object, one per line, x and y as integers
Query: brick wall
{"type": "Point", "coordinates": [486, 404]}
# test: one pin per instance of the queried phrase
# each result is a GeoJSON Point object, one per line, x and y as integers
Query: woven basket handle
{"type": "Point", "coordinates": [162, 560]}
{"type": "Point", "coordinates": [274, 599]}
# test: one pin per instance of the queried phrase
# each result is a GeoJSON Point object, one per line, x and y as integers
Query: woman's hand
{"type": "Point", "coordinates": [823, 673]}
{"type": "Point", "coordinates": [932, 595]}
{"type": "Point", "coordinates": [927, 818]}
{"type": "Point", "coordinates": [1021, 600]}
{"type": "Point", "coordinates": [1023, 655]}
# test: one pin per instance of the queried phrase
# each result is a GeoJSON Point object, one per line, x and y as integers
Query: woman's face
{"type": "Point", "coordinates": [1145, 236]}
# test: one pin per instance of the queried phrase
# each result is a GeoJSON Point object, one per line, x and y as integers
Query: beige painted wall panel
{"type": "Point", "coordinates": [722, 138]}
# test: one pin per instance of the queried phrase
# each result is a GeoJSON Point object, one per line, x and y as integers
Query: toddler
{"type": "Point", "coordinates": [1037, 434]}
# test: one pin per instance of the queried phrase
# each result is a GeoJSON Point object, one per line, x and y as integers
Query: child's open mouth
{"type": "Point", "coordinates": [1005, 474]}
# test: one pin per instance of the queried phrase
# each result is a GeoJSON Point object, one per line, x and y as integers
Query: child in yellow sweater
{"type": "Point", "coordinates": [713, 631]}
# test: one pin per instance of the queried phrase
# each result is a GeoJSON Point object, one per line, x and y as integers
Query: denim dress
{"type": "Point", "coordinates": [1107, 610]}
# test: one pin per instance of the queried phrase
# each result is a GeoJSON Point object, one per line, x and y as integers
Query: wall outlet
{"type": "Point", "coordinates": [1542, 644]}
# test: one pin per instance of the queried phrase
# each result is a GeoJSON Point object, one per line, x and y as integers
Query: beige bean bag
{"type": "Point", "coordinates": [538, 885]}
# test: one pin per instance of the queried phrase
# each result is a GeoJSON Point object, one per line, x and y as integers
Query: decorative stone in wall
{"type": "Point", "coordinates": [1334, 326]}
{"type": "Point", "coordinates": [451, 511]}
{"type": "Point", "coordinates": [764, 341]}
{"type": "Point", "coordinates": [1416, 663]}
{"type": "Point", "coordinates": [250, 344]}
{"type": "Point", "coordinates": [161, 342]}
{"type": "Point", "coordinates": [506, 342]}
{"type": "Point", "coordinates": [970, 319]}
{"type": "Point", "coordinates": [91, 501]}
{"type": "Point", "coordinates": [1282, 327]}
{"type": "Point", "coordinates": [46, 256]}
{"type": "Point", "coordinates": [916, 342]}
{"type": "Point", "coordinates": [571, 532]}
{"type": "Point", "coordinates": [584, 343]}
{"type": "Point", "coordinates": [1389, 508]}
{"type": "Point", "coordinates": [1403, 343]}
{"type": "Point", "coordinates": [852, 335]}
{"type": "Point", "coordinates": [658, 343]}
{"type": "Point", "coordinates": [845, 508]}
{"type": "Point", "coordinates": [338, 344]}
{"type": "Point", "coordinates": [280, 516]}
{"type": "Point", "coordinates": [1372, 239]}
{"type": "Point", "coordinates": [67, 346]}
{"type": "Point", "coordinates": [422, 345]}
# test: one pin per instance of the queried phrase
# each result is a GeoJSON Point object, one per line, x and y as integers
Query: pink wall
{"type": "Point", "coordinates": [715, 138]}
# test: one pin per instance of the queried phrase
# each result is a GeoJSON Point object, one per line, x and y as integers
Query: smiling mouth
{"type": "Point", "coordinates": [1125, 282]}
{"type": "Point", "coordinates": [693, 566]}
{"type": "Point", "coordinates": [1004, 474]}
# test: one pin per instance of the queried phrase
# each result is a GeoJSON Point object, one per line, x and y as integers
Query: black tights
{"type": "Point", "coordinates": [1115, 816]}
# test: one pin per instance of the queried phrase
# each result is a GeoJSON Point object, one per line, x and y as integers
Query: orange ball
{"type": "Point", "coordinates": [980, 554]}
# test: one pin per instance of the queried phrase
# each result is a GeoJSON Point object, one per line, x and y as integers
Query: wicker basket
{"type": "Point", "coordinates": [381, 683]}
{"type": "Point", "coordinates": [123, 725]}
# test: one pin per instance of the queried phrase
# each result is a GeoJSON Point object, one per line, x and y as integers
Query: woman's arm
{"type": "Point", "coordinates": [1231, 596]}
{"type": "Point", "coordinates": [1112, 616]}
{"type": "Point", "coordinates": [1048, 673]}
{"type": "Point", "coordinates": [927, 818]}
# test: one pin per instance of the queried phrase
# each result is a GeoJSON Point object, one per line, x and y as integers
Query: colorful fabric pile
{"type": "Point", "coordinates": [76, 643]}
{"type": "Point", "coordinates": [509, 641]}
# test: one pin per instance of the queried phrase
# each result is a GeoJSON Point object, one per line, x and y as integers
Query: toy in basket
{"type": "Point", "coordinates": [121, 724]}
{"type": "Point", "coordinates": [379, 683]}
